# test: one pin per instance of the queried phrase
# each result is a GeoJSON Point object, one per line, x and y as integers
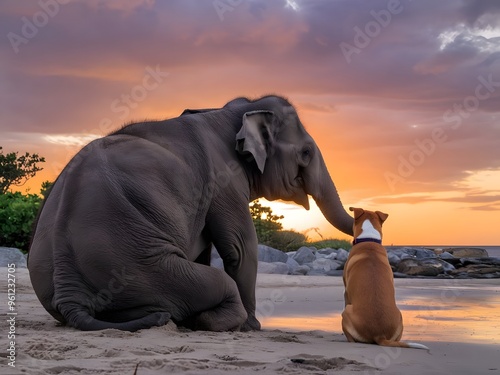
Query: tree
{"type": "Point", "coordinates": [16, 170]}
{"type": "Point", "coordinates": [17, 214]}
{"type": "Point", "coordinates": [266, 223]}
{"type": "Point", "coordinates": [45, 190]}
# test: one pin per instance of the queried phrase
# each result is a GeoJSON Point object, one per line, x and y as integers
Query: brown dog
{"type": "Point", "coordinates": [371, 315]}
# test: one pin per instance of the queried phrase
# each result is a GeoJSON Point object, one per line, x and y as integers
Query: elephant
{"type": "Point", "coordinates": [124, 237]}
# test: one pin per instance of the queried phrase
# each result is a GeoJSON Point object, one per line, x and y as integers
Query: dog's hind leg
{"type": "Point", "coordinates": [348, 326]}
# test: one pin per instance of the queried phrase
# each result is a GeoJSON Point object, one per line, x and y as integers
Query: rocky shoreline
{"type": "Point", "coordinates": [406, 262]}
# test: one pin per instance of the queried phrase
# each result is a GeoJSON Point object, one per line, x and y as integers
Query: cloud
{"type": "Point", "coordinates": [322, 108]}
{"type": "Point", "coordinates": [423, 63]}
{"type": "Point", "coordinates": [70, 139]}
{"type": "Point", "coordinates": [431, 197]}
{"type": "Point", "coordinates": [486, 208]}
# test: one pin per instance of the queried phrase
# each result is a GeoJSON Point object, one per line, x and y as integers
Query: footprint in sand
{"type": "Point", "coordinates": [115, 333]}
{"type": "Point", "coordinates": [314, 363]}
{"type": "Point", "coordinates": [48, 349]}
{"type": "Point", "coordinates": [287, 338]}
{"type": "Point", "coordinates": [111, 353]}
{"type": "Point", "coordinates": [163, 351]}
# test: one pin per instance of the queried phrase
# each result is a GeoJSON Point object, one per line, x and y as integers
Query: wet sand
{"type": "Point", "coordinates": [459, 320]}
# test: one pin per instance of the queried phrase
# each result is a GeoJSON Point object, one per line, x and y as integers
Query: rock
{"type": "Point", "coordinates": [420, 252]}
{"type": "Point", "coordinates": [405, 262]}
{"type": "Point", "coordinates": [420, 267]}
{"type": "Point", "coordinates": [215, 259]}
{"type": "Point", "coordinates": [411, 252]}
{"type": "Point", "coordinates": [270, 255]}
{"type": "Point", "coordinates": [292, 265]}
{"type": "Point", "coordinates": [446, 255]}
{"type": "Point", "coordinates": [342, 255]}
{"type": "Point", "coordinates": [325, 265]}
{"type": "Point", "coordinates": [447, 267]}
{"type": "Point", "coordinates": [304, 255]}
{"type": "Point", "coordinates": [438, 251]}
{"type": "Point", "coordinates": [327, 252]}
{"type": "Point", "coordinates": [467, 252]}
{"type": "Point", "coordinates": [492, 261]}
{"type": "Point", "coordinates": [450, 259]}
{"type": "Point", "coordinates": [393, 258]}
{"type": "Point", "coordinates": [301, 270]}
{"type": "Point", "coordinates": [278, 268]}
{"type": "Point", "coordinates": [10, 255]}
{"type": "Point", "coordinates": [477, 271]}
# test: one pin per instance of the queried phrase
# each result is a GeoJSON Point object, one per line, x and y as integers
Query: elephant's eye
{"type": "Point", "coordinates": [305, 156]}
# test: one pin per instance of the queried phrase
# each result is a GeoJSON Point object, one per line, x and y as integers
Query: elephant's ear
{"type": "Point", "coordinates": [255, 135]}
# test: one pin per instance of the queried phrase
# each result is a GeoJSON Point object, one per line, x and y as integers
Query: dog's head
{"type": "Point", "coordinates": [376, 219]}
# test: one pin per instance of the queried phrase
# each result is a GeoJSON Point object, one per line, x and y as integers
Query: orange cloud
{"type": "Point", "coordinates": [84, 70]}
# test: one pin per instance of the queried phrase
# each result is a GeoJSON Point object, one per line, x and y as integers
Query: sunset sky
{"type": "Point", "coordinates": [402, 97]}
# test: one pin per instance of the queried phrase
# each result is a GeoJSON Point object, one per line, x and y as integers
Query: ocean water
{"type": "Point", "coordinates": [434, 310]}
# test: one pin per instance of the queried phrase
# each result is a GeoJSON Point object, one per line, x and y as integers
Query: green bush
{"type": "Point", "coordinates": [17, 213]}
{"type": "Point", "coordinates": [286, 240]}
{"type": "Point", "coordinates": [265, 222]}
{"type": "Point", "coordinates": [291, 241]}
{"type": "Point", "coordinates": [270, 233]}
{"type": "Point", "coordinates": [331, 243]}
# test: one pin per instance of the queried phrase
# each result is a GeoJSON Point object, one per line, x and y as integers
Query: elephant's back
{"type": "Point", "coordinates": [120, 200]}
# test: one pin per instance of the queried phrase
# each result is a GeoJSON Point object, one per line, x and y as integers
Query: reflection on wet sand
{"type": "Point", "coordinates": [445, 314]}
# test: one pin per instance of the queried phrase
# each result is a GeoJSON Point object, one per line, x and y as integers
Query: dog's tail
{"type": "Point", "coordinates": [402, 344]}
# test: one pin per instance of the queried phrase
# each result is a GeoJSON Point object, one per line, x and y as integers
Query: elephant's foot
{"type": "Point", "coordinates": [229, 316]}
{"type": "Point", "coordinates": [209, 297]}
{"type": "Point", "coordinates": [251, 324]}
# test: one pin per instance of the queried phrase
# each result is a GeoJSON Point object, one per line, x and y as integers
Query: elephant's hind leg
{"type": "Point", "coordinates": [209, 296]}
{"type": "Point", "coordinates": [229, 315]}
{"type": "Point", "coordinates": [77, 316]}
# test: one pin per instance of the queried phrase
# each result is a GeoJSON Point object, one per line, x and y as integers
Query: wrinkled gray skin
{"type": "Point", "coordinates": [123, 239]}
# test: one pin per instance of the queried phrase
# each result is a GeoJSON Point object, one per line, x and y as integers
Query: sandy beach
{"type": "Point", "coordinates": [459, 320]}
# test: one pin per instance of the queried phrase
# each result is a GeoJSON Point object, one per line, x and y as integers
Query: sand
{"type": "Point", "coordinates": [457, 319]}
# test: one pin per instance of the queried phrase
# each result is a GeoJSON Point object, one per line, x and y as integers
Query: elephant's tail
{"type": "Point", "coordinates": [78, 317]}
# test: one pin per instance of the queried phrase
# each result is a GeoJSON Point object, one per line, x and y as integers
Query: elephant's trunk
{"type": "Point", "coordinates": [327, 198]}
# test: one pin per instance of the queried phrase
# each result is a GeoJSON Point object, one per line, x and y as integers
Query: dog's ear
{"type": "Point", "coordinates": [382, 216]}
{"type": "Point", "coordinates": [357, 212]}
